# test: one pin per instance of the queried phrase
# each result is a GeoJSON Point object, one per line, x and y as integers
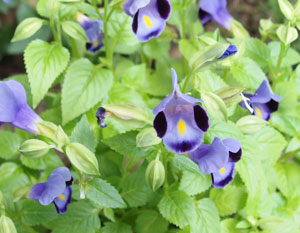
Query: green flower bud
{"type": "Point", "coordinates": [155, 174]}
{"type": "Point", "coordinates": [34, 148]}
{"type": "Point", "coordinates": [47, 129]}
{"type": "Point", "coordinates": [230, 95]}
{"type": "Point", "coordinates": [7, 225]}
{"type": "Point", "coordinates": [61, 138]}
{"type": "Point", "coordinates": [250, 124]}
{"type": "Point", "coordinates": [147, 137]}
{"type": "Point", "coordinates": [131, 164]}
{"type": "Point", "coordinates": [215, 106]}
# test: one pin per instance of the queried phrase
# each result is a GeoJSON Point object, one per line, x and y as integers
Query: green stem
{"type": "Point", "coordinates": [106, 30]}
{"type": "Point", "coordinates": [74, 48]}
{"type": "Point", "coordinates": [54, 32]}
{"type": "Point", "coordinates": [281, 55]}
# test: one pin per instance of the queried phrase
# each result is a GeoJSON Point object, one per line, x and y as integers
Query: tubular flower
{"type": "Point", "coordinates": [179, 121]}
{"type": "Point", "coordinates": [149, 17]}
{"type": "Point", "coordinates": [14, 109]}
{"type": "Point", "coordinates": [93, 31]}
{"type": "Point", "coordinates": [56, 190]}
{"type": "Point", "coordinates": [263, 102]}
{"type": "Point", "coordinates": [231, 50]}
{"type": "Point", "coordinates": [214, 10]}
{"type": "Point", "coordinates": [218, 159]}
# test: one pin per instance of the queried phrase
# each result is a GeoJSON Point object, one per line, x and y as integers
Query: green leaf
{"type": "Point", "coordinates": [81, 216]}
{"type": "Point", "coordinates": [84, 134]}
{"type": "Point", "coordinates": [135, 190]}
{"type": "Point", "coordinates": [247, 73]}
{"type": "Point", "coordinates": [178, 208]}
{"type": "Point", "coordinates": [104, 194]}
{"type": "Point", "coordinates": [82, 158]}
{"type": "Point", "coordinates": [215, 106]}
{"type": "Point", "coordinates": [74, 30]}
{"type": "Point", "coordinates": [207, 220]}
{"type": "Point", "coordinates": [194, 183]}
{"type": "Point", "coordinates": [182, 162]}
{"type": "Point", "coordinates": [289, 124]}
{"type": "Point", "coordinates": [286, 9]}
{"type": "Point", "coordinates": [9, 144]}
{"type": "Point", "coordinates": [44, 62]}
{"type": "Point", "coordinates": [116, 227]}
{"type": "Point", "coordinates": [125, 144]}
{"type": "Point", "coordinates": [287, 34]}
{"type": "Point", "coordinates": [85, 85]}
{"type": "Point", "coordinates": [291, 58]}
{"type": "Point", "coordinates": [33, 213]}
{"type": "Point", "coordinates": [27, 28]}
{"type": "Point", "coordinates": [150, 221]}
{"type": "Point", "coordinates": [289, 98]}
{"type": "Point", "coordinates": [228, 200]}
{"type": "Point", "coordinates": [257, 51]}
{"type": "Point", "coordinates": [208, 81]}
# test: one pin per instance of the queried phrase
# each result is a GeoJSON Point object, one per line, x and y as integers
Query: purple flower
{"type": "Point", "coordinates": [179, 121]}
{"type": "Point", "coordinates": [93, 31]}
{"type": "Point", "coordinates": [56, 190]}
{"type": "Point", "coordinates": [101, 114]}
{"type": "Point", "coordinates": [216, 10]}
{"type": "Point", "coordinates": [218, 159]}
{"type": "Point", "coordinates": [14, 109]}
{"type": "Point", "coordinates": [149, 17]}
{"type": "Point", "coordinates": [6, 1]}
{"type": "Point", "coordinates": [231, 50]}
{"type": "Point", "coordinates": [263, 102]}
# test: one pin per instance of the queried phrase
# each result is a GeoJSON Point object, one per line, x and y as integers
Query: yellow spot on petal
{"type": "Point", "coordinates": [222, 170]}
{"type": "Point", "coordinates": [181, 127]}
{"type": "Point", "coordinates": [258, 112]}
{"type": "Point", "coordinates": [62, 197]}
{"type": "Point", "coordinates": [95, 43]}
{"type": "Point", "coordinates": [148, 21]}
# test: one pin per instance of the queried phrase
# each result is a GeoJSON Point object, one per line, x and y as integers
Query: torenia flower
{"type": "Point", "coordinates": [6, 1]}
{"type": "Point", "coordinates": [149, 17]}
{"type": "Point", "coordinates": [179, 121]}
{"type": "Point", "coordinates": [214, 10]}
{"type": "Point", "coordinates": [231, 50]}
{"type": "Point", "coordinates": [14, 109]}
{"type": "Point", "coordinates": [56, 190]}
{"type": "Point", "coordinates": [218, 159]}
{"type": "Point", "coordinates": [263, 102]}
{"type": "Point", "coordinates": [93, 31]}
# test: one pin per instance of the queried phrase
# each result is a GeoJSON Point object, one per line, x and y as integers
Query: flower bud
{"type": "Point", "coordinates": [250, 124]}
{"type": "Point", "coordinates": [34, 148]}
{"type": "Point", "coordinates": [147, 137]}
{"type": "Point", "coordinates": [7, 225]}
{"type": "Point", "coordinates": [47, 129]}
{"type": "Point", "coordinates": [214, 105]}
{"type": "Point", "coordinates": [131, 164]}
{"type": "Point", "coordinates": [155, 174]}
{"type": "Point", "coordinates": [61, 138]}
{"type": "Point", "coordinates": [230, 95]}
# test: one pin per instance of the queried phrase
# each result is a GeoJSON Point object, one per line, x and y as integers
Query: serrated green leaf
{"type": "Point", "coordinates": [181, 162]}
{"type": "Point", "coordinates": [9, 144]}
{"type": "Point", "coordinates": [44, 62]}
{"type": "Point", "coordinates": [116, 227]}
{"type": "Point", "coordinates": [208, 81]}
{"type": "Point", "coordinates": [27, 28]}
{"type": "Point", "coordinates": [104, 194]}
{"type": "Point", "coordinates": [33, 213]}
{"type": "Point", "coordinates": [84, 86]}
{"type": "Point", "coordinates": [178, 208]}
{"type": "Point", "coordinates": [194, 183]}
{"type": "Point", "coordinates": [135, 190]}
{"type": "Point", "coordinates": [81, 216]}
{"type": "Point", "coordinates": [208, 220]}
{"type": "Point", "coordinates": [84, 134]}
{"type": "Point", "coordinates": [289, 124]}
{"type": "Point", "coordinates": [125, 144]}
{"type": "Point", "coordinates": [74, 30]}
{"type": "Point", "coordinates": [289, 98]}
{"type": "Point", "coordinates": [150, 221]}
{"type": "Point", "coordinates": [228, 200]}
{"type": "Point", "coordinates": [292, 57]}
{"type": "Point", "coordinates": [257, 51]}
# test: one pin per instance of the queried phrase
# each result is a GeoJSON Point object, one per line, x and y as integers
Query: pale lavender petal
{"type": "Point", "coordinates": [64, 172]}
{"type": "Point", "coordinates": [132, 6]}
{"type": "Point", "coordinates": [8, 103]}
{"type": "Point", "coordinates": [211, 159]}
{"type": "Point", "coordinates": [223, 177]}
{"type": "Point", "coordinates": [63, 200]}
{"type": "Point", "coordinates": [262, 94]}
{"type": "Point", "coordinates": [234, 148]}
{"type": "Point", "coordinates": [37, 190]}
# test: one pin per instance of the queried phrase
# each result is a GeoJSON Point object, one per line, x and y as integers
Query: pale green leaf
{"type": "Point", "coordinates": [150, 221]}
{"type": "Point", "coordinates": [181, 162]}
{"type": "Point", "coordinates": [116, 227]}
{"type": "Point", "coordinates": [44, 62]}
{"type": "Point", "coordinates": [85, 85]}
{"type": "Point", "coordinates": [9, 144]}
{"type": "Point", "coordinates": [194, 183]}
{"type": "Point", "coordinates": [27, 28]}
{"type": "Point", "coordinates": [74, 30]}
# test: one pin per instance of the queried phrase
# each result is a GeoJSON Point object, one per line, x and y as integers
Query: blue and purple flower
{"type": "Point", "coordinates": [14, 109]}
{"type": "Point", "coordinates": [179, 121]}
{"type": "Point", "coordinates": [263, 103]}
{"type": "Point", "coordinates": [218, 159]}
{"type": "Point", "coordinates": [93, 31]}
{"type": "Point", "coordinates": [56, 190]}
{"type": "Point", "coordinates": [149, 17]}
{"type": "Point", "coordinates": [214, 10]}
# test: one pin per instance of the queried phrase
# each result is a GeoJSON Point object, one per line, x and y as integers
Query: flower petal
{"type": "Point", "coordinates": [8, 104]}
{"type": "Point", "coordinates": [204, 16]}
{"type": "Point", "coordinates": [64, 172]}
{"type": "Point", "coordinates": [63, 200]}
{"type": "Point", "coordinates": [132, 6]}
{"type": "Point", "coordinates": [211, 158]}
{"type": "Point", "coordinates": [223, 176]}
{"type": "Point", "coordinates": [234, 147]}
{"type": "Point", "coordinates": [37, 190]}
{"type": "Point", "coordinates": [201, 118]}
{"type": "Point", "coordinates": [231, 50]}
{"type": "Point", "coordinates": [160, 124]}
{"type": "Point", "coordinates": [262, 94]}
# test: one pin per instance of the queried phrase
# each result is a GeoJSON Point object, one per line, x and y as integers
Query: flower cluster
{"type": "Point", "coordinates": [181, 123]}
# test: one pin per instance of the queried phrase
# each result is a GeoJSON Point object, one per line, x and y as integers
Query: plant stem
{"type": "Point", "coordinates": [54, 32]}
{"type": "Point", "coordinates": [74, 48]}
{"type": "Point", "coordinates": [281, 55]}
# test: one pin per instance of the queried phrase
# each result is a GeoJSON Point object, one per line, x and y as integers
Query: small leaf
{"type": "Point", "coordinates": [9, 144]}
{"type": "Point", "coordinates": [286, 9]}
{"type": "Point", "coordinates": [105, 194]}
{"type": "Point", "coordinates": [27, 28]}
{"type": "Point", "coordinates": [82, 158]}
{"type": "Point", "coordinates": [74, 30]}
{"type": "Point", "coordinates": [184, 163]}
{"type": "Point", "coordinates": [44, 62]}
{"type": "Point", "coordinates": [287, 34]}
{"type": "Point", "coordinates": [150, 221]}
